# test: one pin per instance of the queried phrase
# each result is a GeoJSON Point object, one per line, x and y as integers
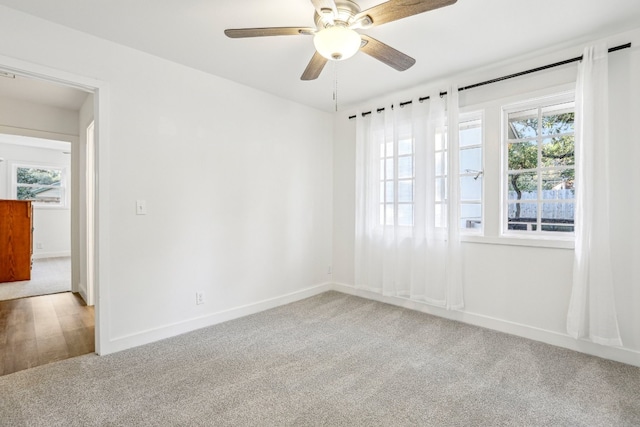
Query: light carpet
{"type": "Point", "coordinates": [48, 276]}
{"type": "Point", "coordinates": [330, 360]}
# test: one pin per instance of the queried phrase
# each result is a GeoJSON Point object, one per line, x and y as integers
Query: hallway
{"type": "Point", "coordinates": [39, 330]}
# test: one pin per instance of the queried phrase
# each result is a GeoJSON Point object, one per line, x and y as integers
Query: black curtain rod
{"type": "Point", "coordinates": [402, 104]}
{"type": "Point", "coordinates": [510, 76]}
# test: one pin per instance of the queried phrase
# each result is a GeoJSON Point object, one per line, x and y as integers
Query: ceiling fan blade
{"type": "Point", "coordinates": [393, 10]}
{"type": "Point", "coordinates": [387, 54]}
{"type": "Point", "coordinates": [271, 31]}
{"type": "Point", "coordinates": [314, 68]}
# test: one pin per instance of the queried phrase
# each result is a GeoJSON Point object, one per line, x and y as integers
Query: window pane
{"type": "Point", "coordinates": [405, 215]}
{"type": "Point", "coordinates": [441, 140]}
{"type": "Point", "coordinates": [522, 155]}
{"type": "Point", "coordinates": [389, 192]}
{"type": "Point", "coordinates": [405, 147]}
{"type": "Point", "coordinates": [559, 151]}
{"type": "Point", "coordinates": [558, 119]}
{"type": "Point", "coordinates": [40, 194]}
{"type": "Point", "coordinates": [441, 163]}
{"type": "Point", "coordinates": [471, 210]}
{"type": "Point", "coordinates": [389, 168]}
{"type": "Point", "coordinates": [382, 187]}
{"type": "Point", "coordinates": [471, 160]}
{"type": "Point", "coordinates": [386, 149]}
{"type": "Point", "coordinates": [558, 184]}
{"type": "Point", "coordinates": [441, 215]}
{"type": "Point", "coordinates": [470, 135]}
{"type": "Point", "coordinates": [405, 167]}
{"type": "Point", "coordinates": [523, 186]}
{"type": "Point", "coordinates": [405, 191]}
{"type": "Point", "coordinates": [441, 189]}
{"type": "Point", "coordinates": [470, 188]}
{"type": "Point", "coordinates": [39, 176]}
{"type": "Point", "coordinates": [561, 214]}
{"type": "Point", "coordinates": [527, 212]}
{"type": "Point", "coordinates": [521, 216]}
{"type": "Point", "coordinates": [523, 124]}
{"type": "Point", "coordinates": [558, 228]}
{"type": "Point", "coordinates": [470, 216]}
{"type": "Point", "coordinates": [388, 214]}
{"type": "Point", "coordinates": [382, 170]}
{"type": "Point", "coordinates": [26, 193]}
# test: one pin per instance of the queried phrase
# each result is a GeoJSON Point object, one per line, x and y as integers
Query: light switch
{"type": "Point", "coordinates": [141, 207]}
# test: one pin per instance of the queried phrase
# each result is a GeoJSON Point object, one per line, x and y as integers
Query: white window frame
{"type": "Point", "coordinates": [474, 116]}
{"type": "Point", "coordinates": [441, 205]}
{"type": "Point", "coordinates": [537, 103]}
{"type": "Point", "coordinates": [395, 179]}
{"type": "Point", "coordinates": [64, 180]}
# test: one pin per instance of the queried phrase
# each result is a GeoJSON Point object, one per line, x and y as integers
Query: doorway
{"type": "Point", "coordinates": [39, 170]}
{"type": "Point", "coordinates": [84, 200]}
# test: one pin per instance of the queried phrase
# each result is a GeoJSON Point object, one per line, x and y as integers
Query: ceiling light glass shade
{"type": "Point", "coordinates": [337, 43]}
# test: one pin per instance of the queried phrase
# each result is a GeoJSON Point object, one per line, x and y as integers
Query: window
{"type": "Point", "coordinates": [471, 171]}
{"type": "Point", "coordinates": [397, 181]}
{"type": "Point", "coordinates": [441, 178]}
{"type": "Point", "coordinates": [539, 156]}
{"type": "Point", "coordinates": [470, 139]}
{"type": "Point", "coordinates": [44, 185]}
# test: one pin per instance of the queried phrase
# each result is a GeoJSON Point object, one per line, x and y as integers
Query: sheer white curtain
{"type": "Point", "coordinates": [592, 312]}
{"type": "Point", "coordinates": [404, 248]}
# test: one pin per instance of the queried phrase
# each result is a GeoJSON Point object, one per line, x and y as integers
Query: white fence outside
{"type": "Point", "coordinates": [556, 204]}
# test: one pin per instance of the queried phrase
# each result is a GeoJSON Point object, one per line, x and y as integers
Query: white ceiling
{"type": "Point", "coordinates": [41, 92]}
{"type": "Point", "coordinates": [451, 40]}
{"type": "Point", "coordinates": [35, 142]}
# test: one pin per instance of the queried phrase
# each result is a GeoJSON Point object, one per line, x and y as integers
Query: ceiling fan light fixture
{"type": "Point", "coordinates": [337, 43]}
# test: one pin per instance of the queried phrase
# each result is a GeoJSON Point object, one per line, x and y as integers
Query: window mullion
{"type": "Point", "coordinates": [539, 173]}
{"type": "Point", "coordinates": [396, 164]}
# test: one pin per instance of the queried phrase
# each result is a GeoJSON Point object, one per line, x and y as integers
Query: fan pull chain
{"type": "Point", "coordinates": [335, 84]}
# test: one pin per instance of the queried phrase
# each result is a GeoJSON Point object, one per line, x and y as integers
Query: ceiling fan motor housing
{"type": "Point", "coordinates": [347, 10]}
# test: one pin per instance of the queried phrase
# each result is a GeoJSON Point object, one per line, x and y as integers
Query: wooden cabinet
{"type": "Point", "coordinates": [16, 240]}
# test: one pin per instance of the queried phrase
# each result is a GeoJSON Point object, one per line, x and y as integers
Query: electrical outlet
{"type": "Point", "coordinates": [39, 245]}
{"type": "Point", "coordinates": [199, 298]}
{"type": "Point", "coordinates": [329, 270]}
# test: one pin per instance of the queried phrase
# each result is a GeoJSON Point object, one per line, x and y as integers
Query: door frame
{"type": "Point", "coordinates": [100, 230]}
{"type": "Point", "coordinates": [88, 211]}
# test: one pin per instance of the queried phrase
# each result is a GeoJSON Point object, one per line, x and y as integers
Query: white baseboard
{"type": "Point", "coordinates": [83, 293]}
{"type": "Point", "coordinates": [619, 354]}
{"type": "Point", "coordinates": [151, 335]}
{"type": "Point", "coordinates": [624, 355]}
{"type": "Point", "coordinates": [41, 255]}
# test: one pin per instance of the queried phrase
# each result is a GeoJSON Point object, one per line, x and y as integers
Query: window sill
{"type": "Point", "coordinates": [536, 242]}
{"type": "Point", "coordinates": [50, 207]}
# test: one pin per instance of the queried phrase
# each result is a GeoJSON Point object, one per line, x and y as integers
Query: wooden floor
{"type": "Point", "coordinates": [39, 330]}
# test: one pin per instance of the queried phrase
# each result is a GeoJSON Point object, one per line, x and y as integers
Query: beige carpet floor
{"type": "Point", "coordinates": [48, 276]}
{"type": "Point", "coordinates": [330, 360]}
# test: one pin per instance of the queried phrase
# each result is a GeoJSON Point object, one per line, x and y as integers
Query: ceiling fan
{"type": "Point", "coordinates": [335, 36]}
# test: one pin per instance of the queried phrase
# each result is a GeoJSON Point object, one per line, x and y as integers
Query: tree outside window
{"type": "Point", "coordinates": [541, 168]}
{"type": "Point", "coordinates": [44, 186]}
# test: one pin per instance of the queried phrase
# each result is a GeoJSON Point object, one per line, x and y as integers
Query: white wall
{"type": "Point", "coordinates": [51, 226]}
{"type": "Point", "coordinates": [23, 117]}
{"type": "Point", "coordinates": [518, 289]}
{"type": "Point", "coordinates": [237, 184]}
